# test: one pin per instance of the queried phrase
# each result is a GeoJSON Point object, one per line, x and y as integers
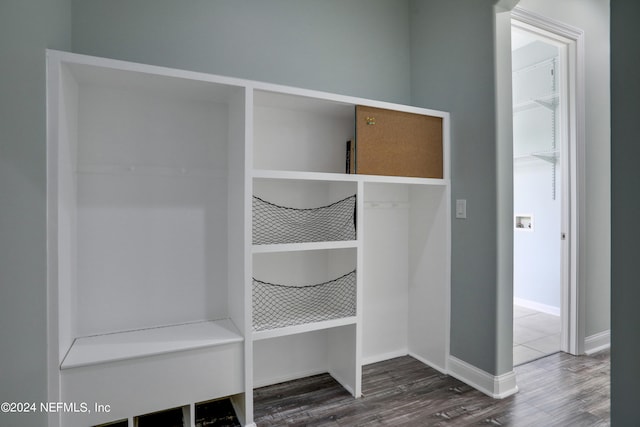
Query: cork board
{"type": "Point", "coordinates": [397, 143]}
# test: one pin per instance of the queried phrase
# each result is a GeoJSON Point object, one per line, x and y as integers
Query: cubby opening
{"type": "Point", "coordinates": [120, 423]}
{"type": "Point", "coordinates": [297, 133]}
{"type": "Point", "coordinates": [330, 350]}
{"type": "Point", "coordinates": [298, 211]}
{"type": "Point", "coordinates": [405, 305]}
{"type": "Point", "coordinates": [143, 181]}
{"type": "Point", "coordinates": [215, 413]}
{"type": "Point", "coordinates": [303, 287]}
{"type": "Point", "coordinates": [168, 418]}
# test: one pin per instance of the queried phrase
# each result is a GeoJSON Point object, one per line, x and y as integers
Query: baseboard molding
{"type": "Point", "coordinates": [285, 378]}
{"type": "Point", "coordinates": [384, 356]}
{"type": "Point", "coordinates": [533, 305]}
{"type": "Point", "coordinates": [598, 342]}
{"type": "Point", "coordinates": [400, 353]}
{"type": "Point", "coordinates": [438, 368]}
{"type": "Point", "coordinates": [497, 387]}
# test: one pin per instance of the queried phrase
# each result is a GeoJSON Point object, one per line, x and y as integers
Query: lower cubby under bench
{"type": "Point", "coordinates": [124, 375]}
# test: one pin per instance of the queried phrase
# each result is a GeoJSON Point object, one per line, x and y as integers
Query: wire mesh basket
{"type": "Point", "coordinates": [274, 224]}
{"type": "Point", "coordinates": [277, 306]}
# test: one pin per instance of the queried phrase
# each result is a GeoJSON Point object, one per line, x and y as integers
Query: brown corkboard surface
{"type": "Point", "coordinates": [397, 143]}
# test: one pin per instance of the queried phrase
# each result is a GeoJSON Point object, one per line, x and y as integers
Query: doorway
{"type": "Point", "coordinates": [545, 76]}
{"type": "Point", "coordinates": [537, 196]}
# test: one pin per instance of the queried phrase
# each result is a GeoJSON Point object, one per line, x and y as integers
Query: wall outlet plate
{"type": "Point", "coordinates": [461, 208]}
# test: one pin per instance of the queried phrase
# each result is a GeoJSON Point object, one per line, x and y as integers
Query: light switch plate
{"type": "Point", "coordinates": [461, 208]}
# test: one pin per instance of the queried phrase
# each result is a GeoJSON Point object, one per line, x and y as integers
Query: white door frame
{"type": "Point", "coordinates": [570, 40]}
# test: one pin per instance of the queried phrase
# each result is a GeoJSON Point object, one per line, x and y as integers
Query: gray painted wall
{"type": "Point", "coordinates": [625, 211]}
{"type": "Point", "coordinates": [355, 47]}
{"type": "Point", "coordinates": [452, 50]}
{"type": "Point", "coordinates": [27, 27]}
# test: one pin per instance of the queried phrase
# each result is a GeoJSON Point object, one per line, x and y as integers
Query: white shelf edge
{"type": "Point", "coordinates": [65, 57]}
{"type": "Point", "coordinates": [310, 246]}
{"type": "Point", "coordinates": [306, 327]}
{"type": "Point", "coordinates": [107, 348]}
{"type": "Point", "coordinates": [336, 177]}
{"type": "Point", "coordinates": [549, 101]}
{"type": "Point", "coordinates": [343, 99]}
{"type": "Point", "coordinates": [404, 180]}
{"type": "Point", "coordinates": [150, 170]}
{"type": "Point", "coordinates": [300, 175]}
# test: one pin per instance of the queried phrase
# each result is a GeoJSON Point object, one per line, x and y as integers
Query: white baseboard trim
{"type": "Point", "coordinates": [438, 368]}
{"type": "Point", "coordinates": [533, 305]}
{"type": "Point", "coordinates": [400, 353]}
{"type": "Point", "coordinates": [498, 387]}
{"type": "Point", "coordinates": [285, 378]}
{"type": "Point", "coordinates": [384, 356]}
{"type": "Point", "coordinates": [597, 342]}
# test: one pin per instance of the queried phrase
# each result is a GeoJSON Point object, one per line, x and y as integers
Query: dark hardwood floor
{"type": "Point", "coordinates": [557, 390]}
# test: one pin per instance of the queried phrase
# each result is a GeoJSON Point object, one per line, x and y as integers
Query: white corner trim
{"type": "Point", "coordinates": [498, 387]}
{"type": "Point", "coordinates": [597, 342]}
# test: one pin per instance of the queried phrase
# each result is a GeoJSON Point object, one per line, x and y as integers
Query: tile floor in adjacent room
{"type": "Point", "coordinates": [535, 334]}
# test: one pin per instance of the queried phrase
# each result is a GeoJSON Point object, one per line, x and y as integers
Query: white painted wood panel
{"type": "Point", "coordinates": [149, 342]}
{"type": "Point", "coordinates": [144, 385]}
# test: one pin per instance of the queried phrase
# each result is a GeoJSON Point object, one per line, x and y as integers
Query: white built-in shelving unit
{"type": "Point", "coordinates": [536, 98]}
{"type": "Point", "coordinates": [151, 176]}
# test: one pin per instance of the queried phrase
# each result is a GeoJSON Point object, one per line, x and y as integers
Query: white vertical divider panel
{"type": "Point", "coordinates": [428, 275]}
{"type": "Point", "coordinates": [67, 217]}
{"type": "Point", "coordinates": [345, 343]}
{"type": "Point", "coordinates": [246, 400]}
{"type": "Point", "coordinates": [54, 338]}
{"type": "Point", "coordinates": [237, 225]}
{"type": "Point", "coordinates": [360, 277]}
{"type": "Point", "coordinates": [342, 346]}
{"type": "Point", "coordinates": [446, 148]}
{"type": "Point", "coordinates": [239, 231]}
{"type": "Point", "coordinates": [188, 415]}
{"type": "Point", "coordinates": [62, 119]}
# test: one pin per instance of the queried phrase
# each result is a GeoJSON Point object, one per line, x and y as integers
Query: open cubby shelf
{"type": "Point", "coordinates": [157, 280]}
{"type": "Point", "coordinates": [278, 305]}
{"type": "Point", "coordinates": [277, 224]}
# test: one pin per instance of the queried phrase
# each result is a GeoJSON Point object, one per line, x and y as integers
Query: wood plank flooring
{"type": "Point", "coordinates": [558, 390]}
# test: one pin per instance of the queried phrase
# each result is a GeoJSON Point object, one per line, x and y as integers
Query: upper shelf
{"type": "Point", "coordinates": [113, 347]}
{"type": "Point", "coordinates": [550, 102]}
{"type": "Point", "coordinates": [343, 177]}
{"type": "Point", "coordinates": [550, 156]}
